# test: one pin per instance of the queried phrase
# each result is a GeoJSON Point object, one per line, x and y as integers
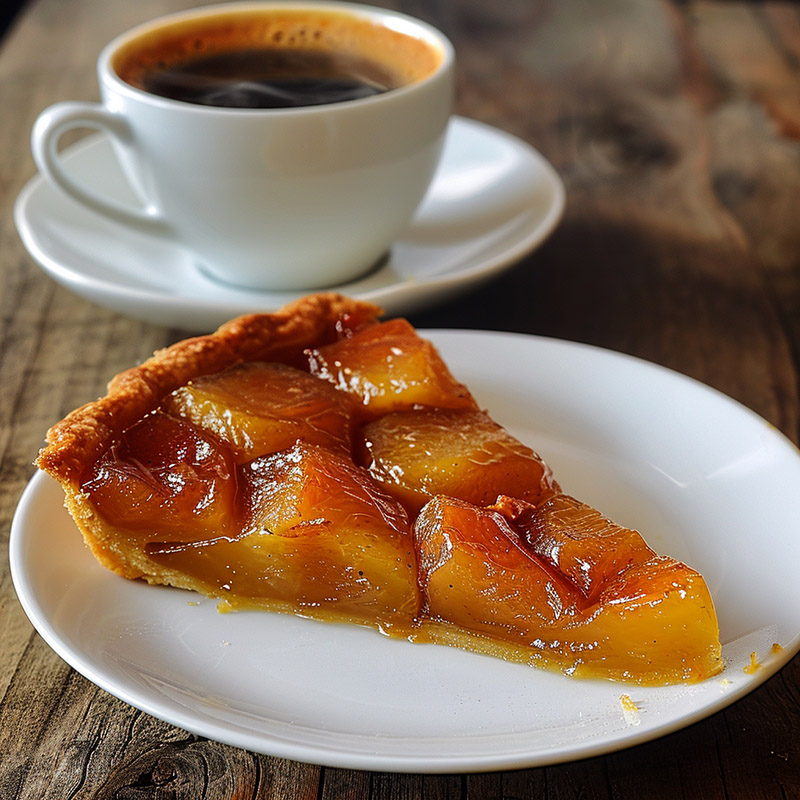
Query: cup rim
{"type": "Point", "coordinates": [404, 22]}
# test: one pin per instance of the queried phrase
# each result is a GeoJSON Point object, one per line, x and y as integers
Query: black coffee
{"type": "Point", "coordinates": [269, 78]}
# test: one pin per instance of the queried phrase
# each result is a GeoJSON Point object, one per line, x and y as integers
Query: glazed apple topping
{"type": "Point", "coordinates": [367, 486]}
{"type": "Point", "coordinates": [459, 453]}
{"type": "Point", "coordinates": [651, 622]}
{"type": "Point", "coordinates": [166, 474]}
{"type": "Point", "coordinates": [586, 547]}
{"type": "Point", "coordinates": [319, 537]}
{"type": "Point", "coordinates": [389, 367]}
{"type": "Point", "coordinates": [260, 408]}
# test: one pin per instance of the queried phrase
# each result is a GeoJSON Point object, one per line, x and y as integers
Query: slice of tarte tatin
{"type": "Point", "coordinates": [322, 462]}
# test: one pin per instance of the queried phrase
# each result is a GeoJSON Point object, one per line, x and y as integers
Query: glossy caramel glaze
{"type": "Point", "coordinates": [166, 475]}
{"type": "Point", "coordinates": [458, 453]}
{"type": "Point", "coordinates": [262, 484]}
{"type": "Point", "coordinates": [260, 408]}
{"type": "Point", "coordinates": [389, 367]}
{"type": "Point", "coordinates": [652, 622]}
{"type": "Point", "coordinates": [586, 547]}
{"type": "Point", "coordinates": [316, 535]}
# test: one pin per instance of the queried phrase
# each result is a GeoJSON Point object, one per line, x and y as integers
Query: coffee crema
{"type": "Point", "coordinates": [279, 58]}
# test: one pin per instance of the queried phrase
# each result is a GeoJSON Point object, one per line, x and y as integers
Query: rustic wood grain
{"type": "Point", "coordinates": [676, 128]}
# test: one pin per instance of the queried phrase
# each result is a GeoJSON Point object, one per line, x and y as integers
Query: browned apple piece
{"type": "Point", "coordinates": [463, 454]}
{"type": "Point", "coordinates": [389, 367]}
{"type": "Point", "coordinates": [320, 538]}
{"type": "Point", "coordinates": [581, 543]}
{"type": "Point", "coordinates": [261, 408]}
{"type": "Point", "coordinates": [655, 624]}
{"type": "Point", "coordinates": [165, 474]}
{"type": "Point", "coordinates": [652, 623]}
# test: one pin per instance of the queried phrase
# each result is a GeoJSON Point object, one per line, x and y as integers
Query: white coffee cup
{"type": "Point", "coordinates": [272, 199]}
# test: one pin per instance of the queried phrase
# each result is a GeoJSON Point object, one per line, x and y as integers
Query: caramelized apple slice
{"type": "Point", "coordinates": [322, 539]}
{"type": "Point", "coordinates": [165, 474]}
{"type": "Point", "coordinates": [389, 367]}
{"type": "Point", "coordinates": [162, 475]}
{"type": "Point", "coordinates": [655, 625]}
{"type": "Point", "coordinates": [463, 454]}
{"type": "Point", "coordinates": [587, 548]}
{"type": "Point", "coordinates": [484, 588]}
{"type": "Point", "coordinates": [262, 408]}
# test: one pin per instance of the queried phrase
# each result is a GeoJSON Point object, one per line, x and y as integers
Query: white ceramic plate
{"type": "Point", "coordinates": [705, 479]}
{"type": "Point", "coordinates": [493, 200]}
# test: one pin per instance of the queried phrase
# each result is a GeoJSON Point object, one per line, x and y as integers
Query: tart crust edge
{"type": "Point", "coordinates": [85, 433]}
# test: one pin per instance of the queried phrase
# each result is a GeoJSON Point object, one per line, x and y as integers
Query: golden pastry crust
{"type": "Point", "coordinates": [80, 438]}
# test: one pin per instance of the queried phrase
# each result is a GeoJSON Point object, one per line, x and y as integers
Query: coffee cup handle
{"type": "Point", "coordinates": [48, 129]}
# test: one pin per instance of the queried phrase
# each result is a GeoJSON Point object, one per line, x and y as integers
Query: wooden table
{"type": "Point", "coordinates": [676, 129]}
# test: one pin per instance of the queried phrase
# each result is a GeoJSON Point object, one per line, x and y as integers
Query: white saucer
{"type": "Point", "coordinates": [493, 200]}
